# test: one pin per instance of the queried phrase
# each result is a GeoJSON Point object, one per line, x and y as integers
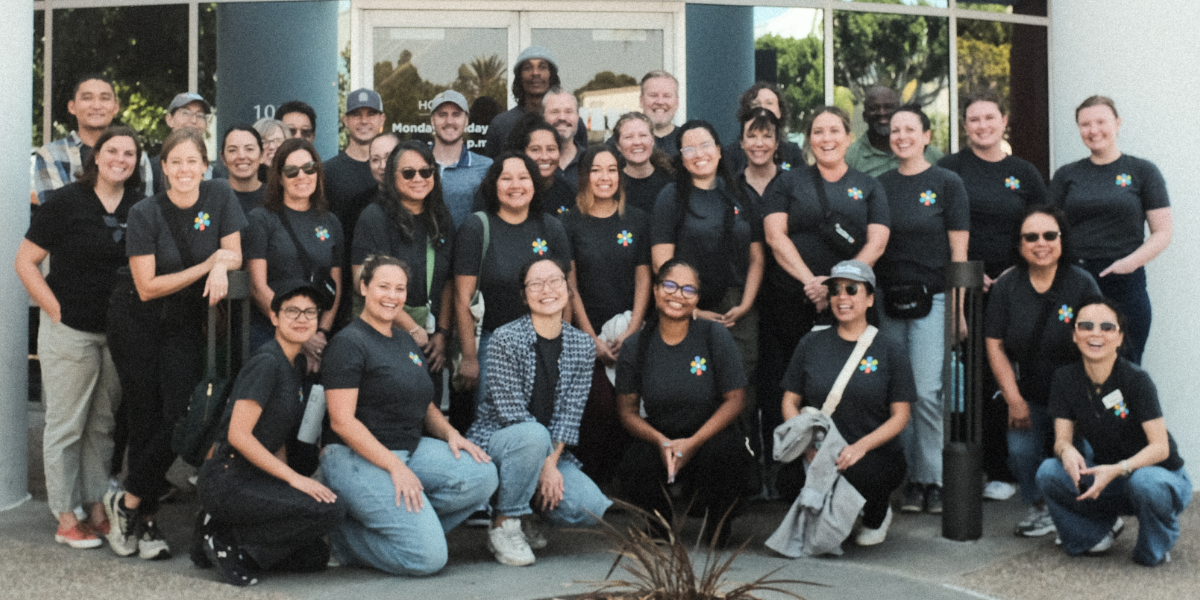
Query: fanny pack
{"type": "Point", "coordinates": [909, 301]}
{"type": "Point", "coordinates": [842, 236]}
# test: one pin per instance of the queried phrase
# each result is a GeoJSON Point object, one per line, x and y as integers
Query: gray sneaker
{"type": "Point", "coordinates": [535, 534]}
{"type": "Point", "coordinates": [121, 536]}
{"type": "Point", "coordinates": [1037, 522]}
{"type": "Point", "coordinates": [933, 499]}
{"type": "Point", "coordinates": [507, 543]}
{"type": "Point", "coordinates": [914, 498]}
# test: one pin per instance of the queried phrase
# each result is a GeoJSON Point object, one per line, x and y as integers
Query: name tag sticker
{"type": "Point", "coordinates": [1112, 399]}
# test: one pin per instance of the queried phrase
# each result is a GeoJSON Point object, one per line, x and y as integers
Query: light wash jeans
{"type": "Point", "coordinates": [377, 532]}
{"type": "Point", "coordinates": [1154, 495]}
{"type": "Point", "coordinates": [926, 340]}
{"type": "Point", "coordinates": [519, 451]}
{"type": "Point", "coordinates": [481, 352]}
{"type": "Point", "coordinates": [1027, 450]}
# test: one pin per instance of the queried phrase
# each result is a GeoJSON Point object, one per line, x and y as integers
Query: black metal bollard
{"type": "Point", "coordinates": [962, 393]}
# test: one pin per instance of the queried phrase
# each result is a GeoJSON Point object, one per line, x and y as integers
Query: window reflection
{"type": "Point", "coordinates": [791, 40]}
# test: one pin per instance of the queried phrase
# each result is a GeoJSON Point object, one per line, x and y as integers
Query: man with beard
{"type": "Point", "coordinates": [561, 111]}
{"type": "Point", "coordinates": [659, 101]}
{"type": "Point", "coordinates": [872, 154]}
{"type": "Point", "coordinates": [462, 170]}
{"type": "Point", "coordinates": [533, 76]}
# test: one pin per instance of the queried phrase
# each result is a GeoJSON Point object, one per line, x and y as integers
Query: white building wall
{"type": "Point", "coordinates": [1144, 55]}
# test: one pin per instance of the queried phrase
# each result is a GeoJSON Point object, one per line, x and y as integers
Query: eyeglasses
{"type": "Point", "coordinates": [1106, 326]}
{"type": "Point", "coordinates": [1032, 237]}
{"type": "Point", "coordinates": [273, 142]}
{"type": "Point", "coordinates": [687, 291]}
{"type": "Point", "coordinates": [192, 115]}
{"type": "Point", "coordinates": [554, 283]}
{"type": "Point", "coordinates": [305, 133]}
{"type": "Point", "coordinates": [409, 173]}
{"type": "Point", "coordinates": [291, 171]}
{"type": "Point", "coordinates": [117, 227]}
{"type": "Point", "coordinates": [690, 151]}
{"type": "Point", "coordinates": [294, 313]}
{"type": "Point", "coordinates": [851, 289]}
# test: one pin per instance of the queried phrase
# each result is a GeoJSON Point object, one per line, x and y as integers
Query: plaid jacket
{"type": "Point", "coordinates": [511, 367]}
{"type": "Point", "coordinates": [56, 163]}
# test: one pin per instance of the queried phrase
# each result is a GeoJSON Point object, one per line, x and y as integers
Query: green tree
{"type": "Point", "coordinates": [483, 76]}
{"type": "Point", "coordinates": [606, 80]}
{"type": "Point", "coordinates": [897, 51]}
{"type": "Point", "coordinates": [403, 90]}
{"type": "Point", "coordinates": [800, 71]}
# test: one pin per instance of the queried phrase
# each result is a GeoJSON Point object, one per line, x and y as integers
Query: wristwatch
{"type": "Point", "coordinates": [1125, 470]}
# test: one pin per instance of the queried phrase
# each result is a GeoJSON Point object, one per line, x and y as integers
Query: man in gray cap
{"type": "Point", "coordinates": [534, 74]}
{"type": "Point", "coordinates": [186, 110]}
{"type": "Point", "coordinates": [462, 170]}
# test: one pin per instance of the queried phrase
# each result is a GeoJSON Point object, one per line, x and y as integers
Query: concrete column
{"type": "Point", "coordinates": [720, 63]}
{"type": "Point", "coordinates": [271, 52]}
{"type": "Point", "coordinates": [16, 31]}
{"type": "Point", "coordinates": [1143, 56]}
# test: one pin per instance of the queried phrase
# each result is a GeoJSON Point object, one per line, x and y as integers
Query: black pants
{"type": "Point", "coordinates": [274, 523]}
{"type": "Point", "coordinates": [720, 473]}
{"type": "Point", "coordinates": [158, 350]}
{"type": "Point", "coordinates": [784, 318]}
{"type": "Point", "coordinates": [602, 438]}
{"type": "Point", "coordinates": [876, 476]}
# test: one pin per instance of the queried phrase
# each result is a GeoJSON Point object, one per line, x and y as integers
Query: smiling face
{"type": "Point", "coordinates": [300, 124]}
{"type": "Point", "coordinates": [300, 187]}
{"type": "Point", "coordinates": [759, 145]}
{"type": "Point", "coordinates": [604, 176]}
{"type": "Point", "coordinates": [1040, 253]}
{"type": "Point", "coordinates": [95, 105]}
{"type": "Point", "coordinates": [546, 289]}
{"type": "Point", "coordinates": [660, 100]}
{"type": "Point", "coordinates": [829, 139]}
{"type": "Point", "coordinates": [700, 153]}
{"type": "Point", "coordinates": [291, 323]}
{"type": "Point", "coordinates": [381, 148]}
{"type": "Point", "coordinates": [675, 305]}
{"type": "Point", "coordinates": [363, 123]}
{"type": "Point", "coordinates": [908, 140]}
{"type": "Point", "coordinates": [878, 107]}
{"type": "Point", "coordinates": [848, 308]}
{"type": "Point", "coordinates": [543, 149]}
{"type": "Point", "coordinates": [1098, 127]}
{"type": "Point", "coordinates": [514, 187]}
{"type": "Point", "coordinates": [116, 160]}
{"type": "Point", "coordinates": [418, 187]}
{"type": "Point", "coordinates": [384, 294]}
{"type": "Point", "coordinates": [193, 114]}
{"type": "Point", "coordinates": [636, 142]}
{"type": "Point", "coordinates": [271, 142]}
{"type": "Point", "coordinates": [185, 167]}
{"type": "Point", "coordinates": [768, 100]}
{"type": "Point", "coordinates": [561, 111]}
{"type": "Point", "coordinates": [449, 123]}
{"type": "Point", "coordinates": [241, 155]}
{"type": "Point", "coordinates": [985, 124]}
{"type": "Point", "coordinates": [535, 76]}
{"type": "Point", "coordinates": [1097, 345]}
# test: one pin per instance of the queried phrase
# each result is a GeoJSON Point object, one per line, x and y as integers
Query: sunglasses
{"type": "Point", "coordinates": [1032, 237]}
{"type": "Point", "coordinates": [687, 291]}
{"type": "Point", "coordinates": [290, 171]}
{"type": "Point", "coordinates": [425, 173]}
{"type": "Point", "coordinates": [1106, 326]}
{"type": "Point", "coordinates": [851, 289]}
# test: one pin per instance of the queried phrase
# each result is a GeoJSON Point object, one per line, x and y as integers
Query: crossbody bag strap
{"type": "Point", "coordinates": [177, 235]}
{"type": "Point", "coordinates": [486, 240]}
{"type": "Point", "coordinates": [306, 260]}
{"type": "Point", "coordinates": [843, 378]}
{"type": "Point", "coordinates": [1049, 301]}
{"type": "Point", "coordinates": [819, 183]}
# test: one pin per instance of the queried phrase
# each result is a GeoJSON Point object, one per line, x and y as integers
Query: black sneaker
{"type": "Point", "coordinates": [152, 545]}
{"type": "Point", "coordinates": [914, 498]}
{"type": "Point", "coordinates": [230, 562]}
{"type": "Point", "coordinates": [933, 499]}
{"type": "Point", "coordinates": [200, 535]}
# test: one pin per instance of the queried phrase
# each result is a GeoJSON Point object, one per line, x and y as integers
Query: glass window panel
{"type": "Point", "coordinates": [934, 3]}
{"type": "Point", "coordinates": [1014, 7]}
{"type": "Point", "coordinates": [792, 38]}
{"type": "Point", "coordinates": [907, 53]}
{"type": "Point", "coordinates": [39, 74]}
{"type": "Point", "coordinates": [207, 86]}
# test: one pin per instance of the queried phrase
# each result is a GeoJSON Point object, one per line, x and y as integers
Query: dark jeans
{"type": "Point", "coordinates": [602, 438]}
{"type": "Point", "coordinates": [784, 318]}
{"type": "Point", "coordinates": [876, 476]}
{"type": "Point", "coordinates": [159, 358]}
{"type": "Point", "coordinates": [273, 522]}
{"type": "Point", "coordinates": [1129, 292]}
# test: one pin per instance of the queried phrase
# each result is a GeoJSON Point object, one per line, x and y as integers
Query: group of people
{"type": "Point", "coordinates": [643, 318]}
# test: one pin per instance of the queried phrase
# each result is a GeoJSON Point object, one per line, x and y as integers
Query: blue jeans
{"type": "Point", "coordinates": [481, 352]}
{"type": "Point", "coordinates": [1154, 495]}
{"type": "Point", "coordinates": [519, 451]}
{"type": "Point", "coordinates": [1027, 450]}
{"type": "Point", "coordinates": [377, 532]}
{"type": "Point", "coordinates": [922, 438]}
{"type": "Point", "coordinates": [1129, 292]}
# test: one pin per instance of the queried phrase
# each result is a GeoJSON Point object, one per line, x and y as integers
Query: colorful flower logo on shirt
{"type": "Point", "coordinates": [322, 233]}
{"type": "Point", "coordinates": [624, 238]}
{"type": "Point", "coordinates": [563, 209]}
{"type": "Point", "coordinates": [416, 359]}
{"type": "Point", "coordinates": [1124, 180]}
{"type": "Point", "coordinates": [201, 220]}
{"type": "Point", "coordinates": [699, 366]}
{"type": "Point", "coordinates": [868, 365]}
{"type": "Point", "coordinates": [736, 211]}
{"type": "Point", "coordinates": [786, 166]}
{"type": "Point", "coordinates": [854, 193]}
{"type": "Point", "coordinates": [1012, 183]}
{"type": "Point", "coordinates": [539, 246]}
{"type": "Point", "coordinates": [928, 197]}
{"type": "Point", "coordinates": [1121, 410]}
{"type": "Point", "coordinates": [1066, 313]}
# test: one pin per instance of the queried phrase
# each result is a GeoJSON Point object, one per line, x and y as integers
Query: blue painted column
{"type": "Point", "coordinates": [720, 63]}
{"type": "Point", "coordinates": [271, 52]}
{"type": "Point", "coordinates": [16, 33]}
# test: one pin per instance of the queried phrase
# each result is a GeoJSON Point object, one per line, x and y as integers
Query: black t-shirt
{"type": "Point", "coordinates": [607, 254]}
{"type": "Point", "coordinates": [923, 208]}
{"type": "Point", "coordinates": [882, 377]}
{"type": "Point", "coordinates": [272, 382]}
{"type": "Point", "coordinates": [643, 193]}
{"type": "Point", "coordinates": [790, 154]}
{"type": "Point", "coordinates": [682, 385]}
{"type": "Point", "coordinates": [545, 378]}
{"type": "Point", "coordinates": [1111, 420]}
{"type": "Point", "coordinates": [377, 235]}
{"type": "Point", "coordinates": [856, 196]}
{"type": "Point", "coordinates": [560, 198]}
{"type": "Point", "coordinates": [250, 200]}
{"type": "Point", "coordinates": [1106, 205]}
{"type": "Point", "coordinates": [510, 247]}
{"type": "Point", "coordinates": [319, 232]}
{"type": "Point", "coordinates": [999, 192]}
{"type": "Point", "coordinates": [1018, 315]}
{"type": "Point", "coordinates": [215, 215]}
{"type": "Point", "coordinates": [349, 188]}
{"type": "Point", "coordinates": [701, 241]}
{"type": "Point", "coordinates": [88, 245]}
{"type": "Point", "coordinates": [394, 388]}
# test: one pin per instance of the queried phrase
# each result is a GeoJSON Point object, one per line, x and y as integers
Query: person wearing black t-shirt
{"type": "Point", "coordinates": [241, 153]}
{"type": "Point", "coordinates": [610, 284]}
{"type": "Point", "coordinates": [540, 141]}
{"type": "Point", "coordinates": [1110, 198]}
{"type": "Point", "coordinates": [517, 230]}
{"type": "Point", "coordinates": [181, 244]}
{"type": "Point", "coordinates": [1029, 319]}
{"type": "Point", "coordinates": [930, 228]}
{"type": "Point", "coordinates": [83, 225]}
{"type": "Point", "coordinates": [687, 375]}
{"type": "Point", "coordinates": [406, 475]}
{"type": "Point", "coordinates": [1113, 405]}
{"type": "Point", "coordinates": [295, 211]}
{"type": "Point", "coordinates": [875, 403]}
{"type": "Point", "coordinates": [647, 167]}
{"type": "Point", "coordinates": [770, 97]}
{"type": "Point", "coordinates": [258, 513]}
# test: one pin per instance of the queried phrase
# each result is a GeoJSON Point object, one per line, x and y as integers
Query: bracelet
{"type": "Point", "coordinates": [414, 330]}
{"type": "Point", "coordinates": [441, 330]}
{"type": "Point", "coordinates": [1125, 470]}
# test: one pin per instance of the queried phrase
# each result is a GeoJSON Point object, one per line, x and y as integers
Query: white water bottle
{"type": "Point", "coordinates": [314, 414]}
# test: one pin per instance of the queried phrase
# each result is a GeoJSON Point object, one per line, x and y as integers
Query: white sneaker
{"type": "Point", "coordinates": [999, 490]}
{"type": "Point", "coordinates": [534, 533]}
{"type": "Point", "coordinates": [1102, 546]}
{"type": "Point", "coordinates": [121, 535]}
{"type": "Point", "coordinates": [871, 537]}
{"type": "Point", "coordinates": [507, 543]}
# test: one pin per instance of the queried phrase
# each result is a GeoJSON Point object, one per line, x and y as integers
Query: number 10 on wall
{"type": "Point", "coordinates": [264, 111]}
